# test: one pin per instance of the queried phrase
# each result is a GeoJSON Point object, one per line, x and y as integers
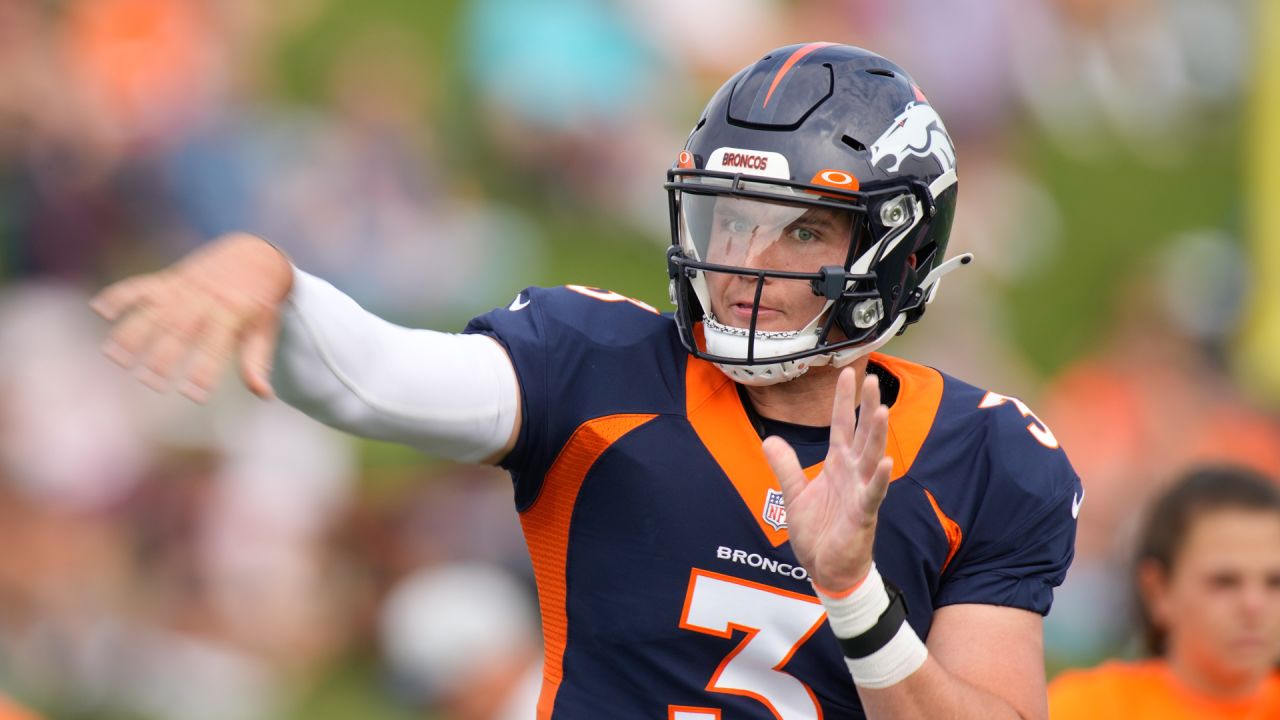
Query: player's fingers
{"type": "Point", "coordinates": [877, 433]}
{"type": "Point", "coordinates": [157, 365]}
{"type": "Point", "coordinates": [213, 351]}
{"type": "Point", "coordinates": [786, 466]}
{"type": "Point", "coordinates": [131, 337]}
{"type": "Point", "coordinates": [177, 333]}
{"type": "Point", "coordinates": [255, 358]}
{"type": "Point", "coordinates": [115, 299]}
{"type": "Point", "coordinates": [876, 489]}
{"type": "Point", "coordinates": [869, 402]}
{"type": "Point", "coordinates": [843, 417]}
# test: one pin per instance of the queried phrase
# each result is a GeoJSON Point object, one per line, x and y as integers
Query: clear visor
{"type": "Point", "coordinates": [764, 235]}
{"type": "Point", "coordinates": [753, 235]}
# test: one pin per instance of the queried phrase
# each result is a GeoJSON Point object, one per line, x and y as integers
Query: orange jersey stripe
{"type": "Point", "coordinates": [912, 415]}
{"type": "Point", "coordinates": [949, 527]}
{"type": "Point", "coordinates": [716, 414]}
{"type": "Point", "coordinates": [546, 530]}
{"type": "Point", "coordinates": [786, 67]}
{"type": "Point", "coordinates": [677, 712]}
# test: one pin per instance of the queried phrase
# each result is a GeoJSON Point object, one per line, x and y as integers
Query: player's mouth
{"type": "Point", "coordinates": [1249, 642]}
{"type": "Point", "coordinates": [741, 312]}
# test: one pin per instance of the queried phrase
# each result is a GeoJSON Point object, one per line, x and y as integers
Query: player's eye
{"type": "Point", "coordinates": [805, 234]}
{"type": "Point", "coordinates": [1224, 581]}
{"type": "Point", "coordinates": [1273, 581]}
{"type": "Point", "coordinates": [736, 225]}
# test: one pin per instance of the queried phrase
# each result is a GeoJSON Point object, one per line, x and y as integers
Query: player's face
{"type": "Point", "coordinates": [1221, 603]}
{"type": "Point", "coordinates": [772, 236]}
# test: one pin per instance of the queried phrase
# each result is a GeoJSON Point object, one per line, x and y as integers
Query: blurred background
{"type": "Point", "coordinates": [240, 562]}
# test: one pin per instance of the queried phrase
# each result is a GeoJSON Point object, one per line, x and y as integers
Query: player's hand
{"type": "Point", "coordinates": [183, 325]}
{"type": "Point", "coordinates": [832, 519]}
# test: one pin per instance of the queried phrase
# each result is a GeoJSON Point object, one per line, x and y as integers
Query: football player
{"type": "Point", "coordinates": [739, 510]}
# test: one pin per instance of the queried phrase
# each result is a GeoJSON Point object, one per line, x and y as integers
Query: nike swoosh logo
{"type": "Point", "coordinates": [519, 303]}
{"type": "Point", "coordinates": [1076, 501]}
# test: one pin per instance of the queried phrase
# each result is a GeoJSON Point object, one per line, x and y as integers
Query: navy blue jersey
{"type": "Point", "coordinates": [658, 535]}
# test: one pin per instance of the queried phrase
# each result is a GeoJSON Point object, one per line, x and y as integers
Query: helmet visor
{"type": "Point", "coordinates": [758, 259]}
{"type": "Point", "coordinates": [764, 235]}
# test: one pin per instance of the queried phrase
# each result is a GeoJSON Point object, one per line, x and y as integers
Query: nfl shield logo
{"type": "Point", "coordinates": [775, 512]}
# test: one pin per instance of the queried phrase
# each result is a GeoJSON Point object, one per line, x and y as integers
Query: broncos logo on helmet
{"type": "Point", "coordinates": [916, 131]}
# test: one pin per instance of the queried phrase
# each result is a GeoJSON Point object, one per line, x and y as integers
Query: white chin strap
{"type": "Point", "coordinates": [728, 341]}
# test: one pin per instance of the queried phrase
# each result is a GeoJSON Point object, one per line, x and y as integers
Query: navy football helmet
{"type": "Point", "coordinates": [814, 146]}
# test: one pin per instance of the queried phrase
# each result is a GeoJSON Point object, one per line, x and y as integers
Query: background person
{"type": "Point", "coordinates": [1208, 573]}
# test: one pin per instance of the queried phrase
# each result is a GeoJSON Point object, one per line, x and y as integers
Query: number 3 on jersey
{"type": "Point", "coordinates": [611, 296]}
{"type": "Point", "coordinates": [1036, 427]}
{"type": "Point", "coordinates": [777, 623]}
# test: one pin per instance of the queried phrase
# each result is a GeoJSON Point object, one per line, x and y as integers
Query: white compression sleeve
{"type": "Point", "coordinates": [455, 396]}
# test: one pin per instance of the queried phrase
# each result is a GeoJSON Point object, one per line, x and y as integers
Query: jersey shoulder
{"type": "Point", "coordinates": [581, 353]}
{"type": "Point", "coordinates": [572, 327]}
{"type": "Point", "coordinates": [954, 421]}
{"type": "Point", "coordinates": [1001, 438]}
{"type": "Point", "coordinates": [999, 483]}
{"type": "Point", "coordinates": [596, 316]}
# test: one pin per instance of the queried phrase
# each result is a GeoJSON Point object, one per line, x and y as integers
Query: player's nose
{"type": "Point", "coordinates": [761, 251]}
{"type": "Point", "coordinates": [1256, 598]}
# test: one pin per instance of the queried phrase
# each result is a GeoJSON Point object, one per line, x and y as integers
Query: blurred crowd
{"type": "Point", "coordinates": [241, 562]}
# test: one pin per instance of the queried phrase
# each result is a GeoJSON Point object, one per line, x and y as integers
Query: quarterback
{"type": "Point", "coordinates": [737, 510]}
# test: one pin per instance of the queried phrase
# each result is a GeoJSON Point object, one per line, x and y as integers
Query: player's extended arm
{"type": "Point", "coordinates": [451, 395]}
{"type": "Point", "coordinates": [981, 661]}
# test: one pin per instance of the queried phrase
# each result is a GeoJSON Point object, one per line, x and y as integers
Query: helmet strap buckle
{"type": "Point", "coordinates": [831, 283]}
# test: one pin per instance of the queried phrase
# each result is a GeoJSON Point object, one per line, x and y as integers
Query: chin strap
{"type": "Point", "coordinates": [840, 358]}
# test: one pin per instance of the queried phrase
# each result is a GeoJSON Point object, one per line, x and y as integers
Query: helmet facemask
{"type": "Point", "coordinates": [783, 275]}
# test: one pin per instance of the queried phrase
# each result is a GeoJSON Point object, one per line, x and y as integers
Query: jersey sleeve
{"type": "Point", "coordinates": [523, 332]}
{"type": "Point", "coordinates": [578, 354]}
{"type": "Point", "coordinates": [1021, 539]}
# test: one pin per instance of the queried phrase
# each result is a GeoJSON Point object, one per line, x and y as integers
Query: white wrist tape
{"type": "Point", "coordinates": [859, 612]}
{"type": "Point", "coordinates": [892, 663]}
{"type": "Point", "coordinates": [855, 613]}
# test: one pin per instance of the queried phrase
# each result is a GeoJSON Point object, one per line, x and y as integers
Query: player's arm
{"type": "Point", "coordinates": [451, 395]}
{"type": "Point", "coordinates": [238, 298]}
{"type": "Point", "coordinates": [983, 661]}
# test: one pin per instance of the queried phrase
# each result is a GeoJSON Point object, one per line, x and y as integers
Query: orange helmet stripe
{"type": "Point", "coordinates": [791, 61]}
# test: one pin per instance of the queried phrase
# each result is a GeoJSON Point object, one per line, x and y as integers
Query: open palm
{"type": "Point", "coordinates": [831, 520]}
{"type": "Point", "coordinates": [186, 323]}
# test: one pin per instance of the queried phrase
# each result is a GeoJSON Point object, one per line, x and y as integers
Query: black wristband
{"type": "Point", "coordinates": [882, 632]}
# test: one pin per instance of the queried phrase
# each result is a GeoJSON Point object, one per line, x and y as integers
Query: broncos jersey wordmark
{"type": "Point", "coordinates": [658, 534]}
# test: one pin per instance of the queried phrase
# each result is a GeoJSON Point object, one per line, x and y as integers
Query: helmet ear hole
{"type": "Point", "coordinates": [924, 257]}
